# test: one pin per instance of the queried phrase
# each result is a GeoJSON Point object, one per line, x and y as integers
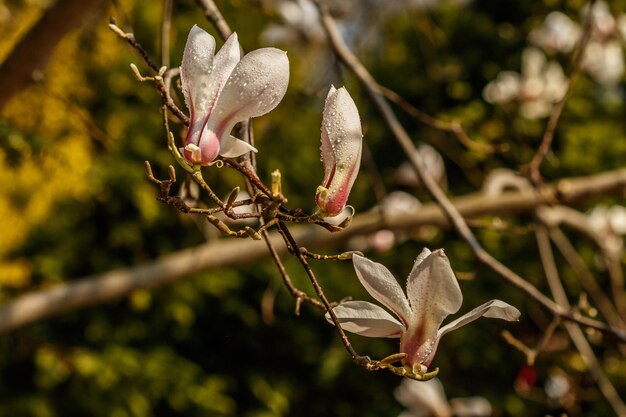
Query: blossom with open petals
{"type": "Point", "coordinates": [432, 293]}
{"type": "Point", "coordinates": [341, 144]}
{"type": "Point", "coordinates": [223, 89]}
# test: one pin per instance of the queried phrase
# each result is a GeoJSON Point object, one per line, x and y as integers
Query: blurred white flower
{"type": "Point", "coordinates": [428, 399]}
{"type": "Point", "coordinates": [604, 24]}
{"type": "Point", "coordinates": [433, 162]}
{"type": "Point", "coordinates": [559, 33]}
{"type": "Point", "coordinates": [603, 218]}
{"type": "Point", "coordinates": [301, 22]}
{"type": "Point", "coordinates": [540, 84]}
{"type": "Point", "coordinates": [500, 180]}
{"type": "Point", "coordinates": [604, 62]}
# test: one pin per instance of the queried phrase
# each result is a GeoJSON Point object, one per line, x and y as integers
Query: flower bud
{"type": "Point", "coordinates": [341, 145]}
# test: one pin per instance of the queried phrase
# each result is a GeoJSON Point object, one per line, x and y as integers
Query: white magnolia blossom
{"type": "Point", "coordinates": [223, 89]}
{"type": "Point", "coordinates": [432, 293]}
{"type": "Point", "coordinates": [540, 84]}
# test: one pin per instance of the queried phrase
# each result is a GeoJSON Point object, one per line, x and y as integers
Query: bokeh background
{"type": "Point", "coordinates": [75, 201]}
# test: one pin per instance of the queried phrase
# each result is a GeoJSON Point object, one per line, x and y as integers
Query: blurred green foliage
{"type": "Point", "coordinates": [74, 201]}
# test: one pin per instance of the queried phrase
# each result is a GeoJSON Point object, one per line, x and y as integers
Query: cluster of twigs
{"type": "Point", "coordinates": [270, 210]}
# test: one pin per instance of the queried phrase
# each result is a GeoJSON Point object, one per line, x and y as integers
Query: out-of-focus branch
{"type": "Point", "coordinates": [407, 145]}
{"type": "Point", "coordinates": [555, 115]}
{"type": "Point", "coordinates": [213, 15]}
{"type": "Point", "coordinates": [32, 53]}
{"type": "Point", "coordinates": [573, 329]}
{"type": "Point", "coordinates": [103, 288]}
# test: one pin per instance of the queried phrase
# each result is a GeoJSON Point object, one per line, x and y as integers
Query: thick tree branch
{"type": "Point", "coordinates": [103, 288]}
{"type": "Point", "coordinates": [33, 52]}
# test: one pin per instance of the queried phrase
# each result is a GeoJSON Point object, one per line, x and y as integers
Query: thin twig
{"type": "Point", "coordinates": [299, 295]}
{"type": "Point", "coordinates": [553, 120]}
{"type": "Point", "coordinates": [213, 15]}
{"type": "Point", "coordinates": [453, 127]}
{"type": "Point", "coordinates": [586, 278]}
{"type": "Point", "coordinates": [166, 26]}
{"type": "Point", "coordinates": [532, 353]}
{"type": "Point", "coordinates": [159, 78]}
{"type": "Point", "coordinates": [290, 241]}
{"type": "Point", "coordinates": [574, 331]}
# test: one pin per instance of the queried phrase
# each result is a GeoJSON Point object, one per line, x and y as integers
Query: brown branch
{"type": "Point", "coordinates": [454, 127]}
{"type": "Point", "coordinates": [213, 15]}
{"type": "Point", "coordinates": [295, 248]}
{"type": "Point", "coordinates": [32, 53]}
{"type": "Point", "coordinates": [587, 280]}
{"type": "Point", "coordinates": [166, 25]}
{"type": "Point", "coordinates": [407, 145]}
{"type": "Point", "coordinates": [573, 329]}
{"type": "Point", "coordinates": [103, 288]}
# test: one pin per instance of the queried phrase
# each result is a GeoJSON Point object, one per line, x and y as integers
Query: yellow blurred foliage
{"type": "Point", "coordinates": [57, 168]}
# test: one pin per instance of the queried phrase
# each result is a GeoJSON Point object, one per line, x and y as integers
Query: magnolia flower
{"type": "Point", "coordinates": [341, 151]}
{"type": "Point", "coordinates": [224, 89]}
{"type": "Point", "coordinates": [432, 293]}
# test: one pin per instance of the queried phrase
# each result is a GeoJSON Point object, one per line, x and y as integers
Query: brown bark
{"type": "Point", "coordinates": [33, 52]}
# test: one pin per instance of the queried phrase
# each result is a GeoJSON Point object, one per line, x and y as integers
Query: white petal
{"type": "Point", "coordinates": [326, 148]}
{"type": "Point", "coordinates": [433, 291]}
{"type": "Point", "coordinates": [382, 285]}
{"type": "Point", "coordinates": [493, 309]}
{"type": "Point", "coordinates": [195, 70]}
{"type": "Point", "coordinates": [232, 147]}
{"type": "Point", "coordinates": [255, 87]}
{"type": "Point", "coordinates": [225, 61]}
{"type": "Point", "coordinates": [366, 319]}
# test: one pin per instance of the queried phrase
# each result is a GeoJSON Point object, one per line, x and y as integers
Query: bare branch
{"type": "Point", "coordinates": [573, 329]}
{"type": "Point", "coordinates": [106, 287]}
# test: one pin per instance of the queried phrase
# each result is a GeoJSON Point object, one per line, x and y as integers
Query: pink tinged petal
{"type": "Point", "coordinates": [341, 145]}
{"type": "Point", "coordinates": [223, 65]}
{"type": "Point", "coordinates": [195, 73]}
{"type": "Point", "coordinates": [432, 290]}
{"type": "Point", "coordinates": [366, 319]}
{"type": "Point", "coordinates": [433, 294]}
{"type": "Point", "coordinates": [326, 147]}
{"type": "Point", "coordinates": [495, 309]}
{"type": "Point", "coordinates": [231, 147]}
{"type": "Point", "coordinates": [255, 87]}
{"type": "Point", "coordinates": [196, 68]}
{"type": "Point", "coordinates": [382, 285]}
{"type": "Point", "coordinates": [205, 151]}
